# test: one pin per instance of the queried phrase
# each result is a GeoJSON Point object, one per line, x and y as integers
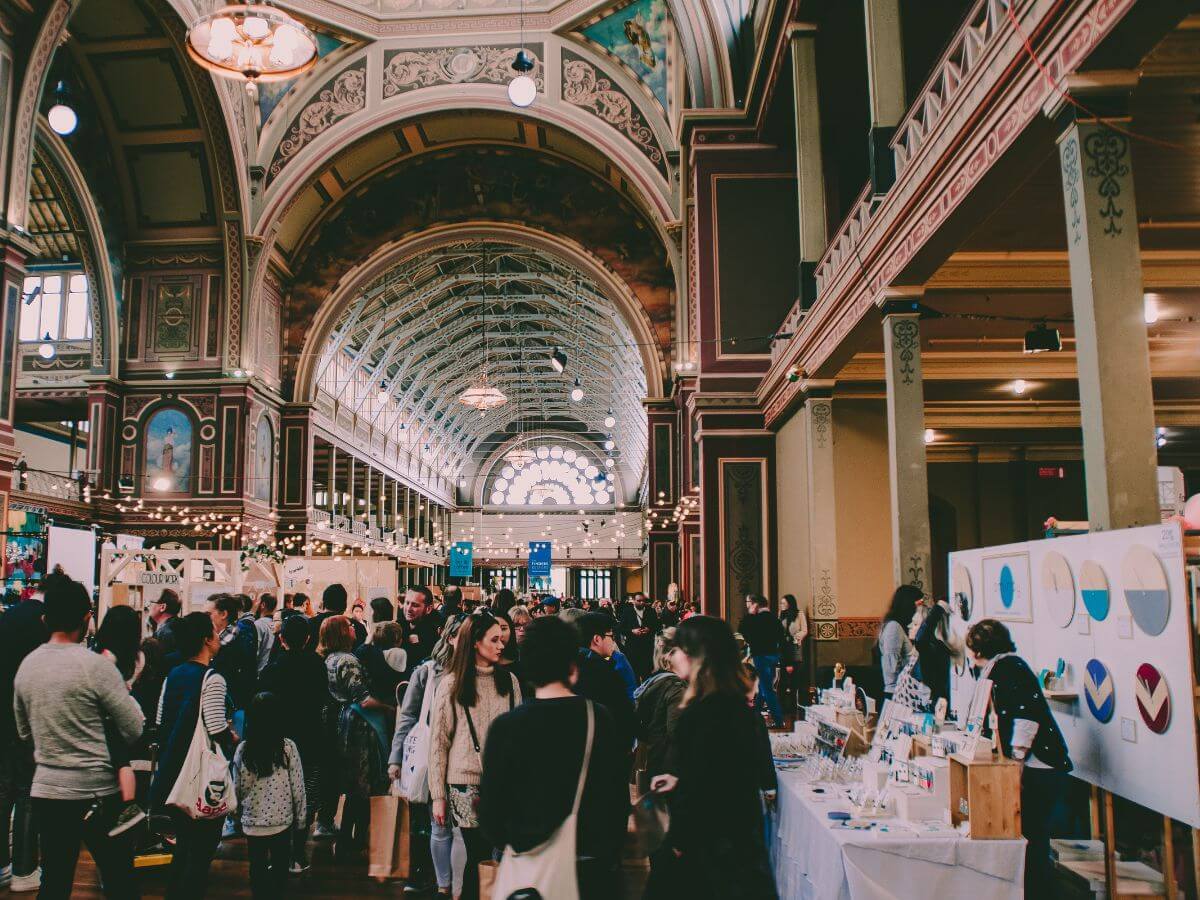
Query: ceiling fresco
{"type": "Point", "coordinates": [484, 184]}
{"type": "Point", "coordinates": [640, 35]}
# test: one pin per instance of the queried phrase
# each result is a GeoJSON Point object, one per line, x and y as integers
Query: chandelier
{"type": "Point", "coordinates": [482, 396]}
{"type": "Point", "coordinates": [252, 42]}
{"type": "Point", "coordinates": [521, 457]}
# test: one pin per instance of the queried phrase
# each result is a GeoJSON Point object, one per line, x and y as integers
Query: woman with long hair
{"type": "Point", "coordinates": [895, 648]}
{"type": "Point", "coordinates": [357, 765]}
{"type": "Point", "coordinates": [477, 690]}
{"type": "Point", "coordinates": [792, 671]}
{"type": "Point", "coordinates": [719, 768]}
{"type": "Point", "coordinates": [118, 639]}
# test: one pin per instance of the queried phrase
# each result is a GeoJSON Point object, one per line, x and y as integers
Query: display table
{"type": "Point", "coordinates": [814, 860]}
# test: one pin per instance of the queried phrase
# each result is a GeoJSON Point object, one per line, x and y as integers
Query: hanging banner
{"type": "Point", "coordinates": [539, 559]}
{"type": "Point", "coordinates": [462, 559]}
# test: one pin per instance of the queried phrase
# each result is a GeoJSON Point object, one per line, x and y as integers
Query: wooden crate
{"type": "Point", "coordinates": [992, 791]}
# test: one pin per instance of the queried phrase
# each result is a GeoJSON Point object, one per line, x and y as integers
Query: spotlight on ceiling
{"type": "Point", "coordinates": [522, 90]}
{"type": "Point", "coordinates": [577, 391]}
{"type": "Point", "coordinates": [61, 115]}
{"type": "Point", "coordinates": [1042, 339]}
{"type": "Point", "coordinates": [930, 436]}
{"type": "Point", "coordinates": [558, 360]}
{"type": "Point", "coordinates": [46, 347]}
{"type": "Point", "coordinates": [1151, 310]}
{"type": "Point", "coordinates": [1020, 386]}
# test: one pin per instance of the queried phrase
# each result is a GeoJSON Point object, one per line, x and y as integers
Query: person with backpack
{"type": "Point", "coordinates": [472, 696]}
{"type": "Point", "coordinates": [269, 779]}
{"type": "Point", "coordinates": [564, 838]}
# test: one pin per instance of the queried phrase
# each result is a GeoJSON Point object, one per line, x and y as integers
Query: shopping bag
{"type": "Point", "coordinates": [487, 879]}
{"type": "Point", "coordinates": [204, 788]}
{"type": "Point", "coordinates": [414, 770]}
{"type": "Point", "coordinates": [390, 824]}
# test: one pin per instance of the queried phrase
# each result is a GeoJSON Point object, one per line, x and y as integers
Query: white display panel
{"type": "Point", "coordinates": [1135, 586]}
{"type": "Point", "coordinates": [75, 550]}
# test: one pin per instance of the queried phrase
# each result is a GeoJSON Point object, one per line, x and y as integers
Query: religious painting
{"type": "Point", "coordinates": [639, 35]}
{"type": "Point", "coordinates": [264, 459]}
{"type": "Point", "coordinates": [168, 448]}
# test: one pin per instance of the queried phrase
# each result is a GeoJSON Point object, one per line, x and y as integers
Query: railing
{"type": "Point", "coordinates": [48, 484]}
{"type": "Point", "coordinates": [844, 245]}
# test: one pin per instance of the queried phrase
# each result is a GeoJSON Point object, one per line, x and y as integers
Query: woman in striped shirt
{"type": "Point", "coordinates": [186, 695]}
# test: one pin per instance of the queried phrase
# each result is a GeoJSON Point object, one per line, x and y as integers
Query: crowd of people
{"type": "Point", "coordinates": [319, 707]}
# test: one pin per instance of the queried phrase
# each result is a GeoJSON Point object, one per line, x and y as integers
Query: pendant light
{"type": "Point", "coordinates": [251, 42]}
{"type": "Point", "coordinates": [61, 116]}
{"type": "Point", "coordinates": [522, 90]}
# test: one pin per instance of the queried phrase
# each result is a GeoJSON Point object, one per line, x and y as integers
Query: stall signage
{"type": "Point", "coordinates": [162, 579]}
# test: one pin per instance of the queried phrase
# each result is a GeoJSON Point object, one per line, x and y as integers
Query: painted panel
{"type": "Point", "coordinates": [662, 461]}
{"type": "Point", "coordinates": [11, 314]}
{"type": "Point", "coordinates": [229, 444]}
{"type": "Point", "coordinates": [168, 451]}
{"type": "Point", "coordinates": [264, 459]}
{"type": "Point", "coordinates": [640, 35]}
{"type": "Point", "coordinates": [174, 317]}
{"type": "Point", "coordinates": [664, 568]}
{"type": "Point", "coordinates": [743, 541]}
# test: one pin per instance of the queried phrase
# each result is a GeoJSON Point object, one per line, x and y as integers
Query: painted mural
{"type": "Point", "coordinates": [168, 447]}
{"type": "Point", "coordinates": [639, 35]}
{"type": "Point", "coordinates": [264, 457]}
{"type": "Point", "coordinates": [270, 93]}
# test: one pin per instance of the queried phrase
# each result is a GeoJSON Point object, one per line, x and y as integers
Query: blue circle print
{"type": "Point", "coordinates": [1008, 587]}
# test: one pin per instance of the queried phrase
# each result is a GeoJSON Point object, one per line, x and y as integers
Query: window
{"type": "Point", "coordinates": [595, 584]}
{"type": "Point", "coordinates": [61, 308]}
{"type": "Point", "coordinates": [550, 475]}
{"type": "Point", "coordinates": [505, 578]}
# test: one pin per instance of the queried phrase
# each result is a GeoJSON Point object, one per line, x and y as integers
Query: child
{"type": "Point", "coordinates": [270, 790]}
{"type": "Point", "coordinates": [118, 639]}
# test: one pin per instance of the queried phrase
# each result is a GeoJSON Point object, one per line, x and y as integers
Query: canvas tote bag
{"type": "Point", "coordinates": [548, 868]}
{"type": "Point", "coordinates": [204, 788]}
{"type": "Point", "coordinates": [414, 771]}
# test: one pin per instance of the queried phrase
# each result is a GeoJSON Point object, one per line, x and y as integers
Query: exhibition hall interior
{"type": "Point", "coordinates": [830, 367]}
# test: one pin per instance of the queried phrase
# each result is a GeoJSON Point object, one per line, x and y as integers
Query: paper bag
{"type": "Point", "coordinates": [390, 824]}
{"type": "Point", "coordinates": [487, 878]}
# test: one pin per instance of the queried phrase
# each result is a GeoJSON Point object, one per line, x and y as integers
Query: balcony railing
{"type": "Point", "coordinates": [48, 484]}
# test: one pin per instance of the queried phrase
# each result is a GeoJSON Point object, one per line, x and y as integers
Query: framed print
{"type": "Point", "coordinates": [1006, 588]}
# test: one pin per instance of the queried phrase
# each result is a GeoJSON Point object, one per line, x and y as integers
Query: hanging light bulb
{"type": "Point", "coordinates": [46, 347]}
{"type": "Point", "coordinates": [522, 90]}
{"type": "Point", "coordinates": [61, 116]}
{"type": "Point", "coordinates": [577, 391]}
{"type": "Point", "coordinates": [610, 420]}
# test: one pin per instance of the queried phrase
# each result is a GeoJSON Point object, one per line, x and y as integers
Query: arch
{"type": "Point", "coordinates": [93, 250]}
{"type": "Point", "coordinates": [486, 472]}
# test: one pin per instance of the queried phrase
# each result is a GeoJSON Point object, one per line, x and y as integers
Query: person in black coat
{"type": "Point", "coordinates": [422, 626]}
{"type": "Point", "coordinates": [1027, 732]}
{"type": "Point", "coordinates": [719, 767]}
{"type": "Point", "coordinates": [333, 603]}
{"type": "Point", "coordinates": [514, 816]}
{"type": "Point", "coordinates": [599, 680]}
{"type": "Point", "coordinates": [639, 624]}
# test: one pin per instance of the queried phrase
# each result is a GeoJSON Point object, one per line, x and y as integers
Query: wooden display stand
{"type": "Point", "coordinates": [992, 791]}
{"type": "Point", "coordinates": [862, 730]}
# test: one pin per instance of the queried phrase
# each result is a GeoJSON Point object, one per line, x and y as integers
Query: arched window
{"type": "Point", "coordinates": [550, 475]}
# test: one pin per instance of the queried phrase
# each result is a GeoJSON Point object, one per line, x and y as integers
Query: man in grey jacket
{"type": "Point", "coordinates": [62, 696]}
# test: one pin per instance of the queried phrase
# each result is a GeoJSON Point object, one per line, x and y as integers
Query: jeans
{"type": "Point", "coordinates": [766, 666]}
{"type": "Point", "coordinates": [62, 829]}
{"type": "Point", "coordinates": [196, 843]}
{"type": "Point", "coordinates": [1044, 814]}
{"type": "Point", "coordinates": [270, 857]}
{"type": "Point", "coordinates": [16, 773]}
{"type": "Point", "coordinates": [441, 844]}
{"type": "Point", "coordinates": [479, 848]}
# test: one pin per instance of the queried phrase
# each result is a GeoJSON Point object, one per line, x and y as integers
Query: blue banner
{"type": "Point", "coordinates": [539, 559]}
{"type": "Point", "coordinates": [462, 559]}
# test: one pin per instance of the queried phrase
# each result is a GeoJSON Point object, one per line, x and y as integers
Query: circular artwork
{"type": "Point", "coordinates": [1099, 690]}
{"type": "Point", "coordinates": [1146, 590]}
{"type": "Point", "coordinates": [1153, 698]}
{"type": "Point", "coordinates": [1093, 584]}
{"type": "Point", "coordinates": [1058, 587]}
{"type": "Point", "coordinates": [964, 595]}
{"type": "Point", "coordinates": [1008, 587]}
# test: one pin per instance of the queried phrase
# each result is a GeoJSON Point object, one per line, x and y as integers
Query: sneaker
{"type": "Point", "coordinates": [130, 815]}
{"type": "Point", "coordinates": [5, 876]}
{"type": "Point", "coordinates": [26, 883]}
{"type": "Point", "coordinates": [324, 833]}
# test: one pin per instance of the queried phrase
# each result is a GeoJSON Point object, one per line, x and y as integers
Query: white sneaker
{"type": "Point", "coordinates": [26, 883]}
{"type": "Point", "coordinates": [5, 876]}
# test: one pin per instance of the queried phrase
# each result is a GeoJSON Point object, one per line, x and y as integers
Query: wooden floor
{"type": "Point", "coordinates": [230, 877]}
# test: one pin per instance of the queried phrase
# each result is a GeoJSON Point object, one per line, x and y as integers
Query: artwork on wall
{"type": "Point", "coordinates": [639, 35]}
{"type": "Point", "coordinates": [1153, 698]}
{"type": "Point", "coordinates": [1093, 584]}
{"type": "Point", "coordinates": [1099, 690]}
{"type": "Point", "coordinates": [964, 592]}
{"type": "Point", "coordinates": [1058, 589]}
{"type": "Point", "coordinates": [24, 550]}
{"type": "Point", "coordinates": [1006, 593]}
{"type": "Point", "coordinates": [168, 449]}
{"type": "Point", "coordinates": [264, 459]}
{"type": "Point", "coordinates": [1145, 585]}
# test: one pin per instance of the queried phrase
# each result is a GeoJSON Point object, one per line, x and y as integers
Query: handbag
{"type": "Point", "coordinates": [391, 823]}
{"type": "Point", "coordinates": [548, 868]}
{"type": "Point", "coordinates": [204, 788]}
{"type": "Point", "coordinates": [414, 769]}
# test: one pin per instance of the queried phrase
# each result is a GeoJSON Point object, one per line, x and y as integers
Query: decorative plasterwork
{"type": "Point", "coordinates": [411, 70]}
{"type": "Point", "coordinates": [342, 95]}
{"type": "Point", "coordinates": [586, 88]}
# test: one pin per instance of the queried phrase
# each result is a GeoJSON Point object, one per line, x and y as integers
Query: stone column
{"type": "Point", "coordinates": [822, 511]}
{"type": "Point", "coordinates": [1111, 348]}
{"type": "Point", "coordinates": [810, 173]}
{"type": "Point", "coordinates": [906, 444]}
{"type": "Point", "coordinates": [331, 498]}
{"type": "Point", "coordinates": [885, 83]}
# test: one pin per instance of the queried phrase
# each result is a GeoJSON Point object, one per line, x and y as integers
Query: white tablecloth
{"type": "Point", "coordinates": [813, 860]}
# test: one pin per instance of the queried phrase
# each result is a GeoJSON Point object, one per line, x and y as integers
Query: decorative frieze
{"type": "Point", "coordinates": [411, 70]}
{"type": "Point", "coordinates": [583, 86]}
{"type": "Point", "coordinates": [343, 95]}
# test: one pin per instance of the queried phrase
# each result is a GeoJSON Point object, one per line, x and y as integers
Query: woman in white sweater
{"type": "Point", "coordinates": [270, 790]}
{"type": "Point", "coordinates": [475, 693]}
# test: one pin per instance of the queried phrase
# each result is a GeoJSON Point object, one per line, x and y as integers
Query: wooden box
{"type": "Point", "coordinates": [988, 793]}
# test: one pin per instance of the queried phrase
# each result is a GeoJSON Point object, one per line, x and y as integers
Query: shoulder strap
{"type": "Point", "coordinates": [587, 757]}
{"type": "Point", "coordinates": [471, 728]}
{"type": "Point", "coordinates": [512, 691]}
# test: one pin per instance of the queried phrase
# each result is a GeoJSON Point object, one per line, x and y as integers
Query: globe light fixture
{"type": "Point", "coordinates": [46, 347]}
{"type": "Point", "coordinates": [251, 42]}
{"type": "Point", "coordinates": [610, 420]}
{"type": "Point", "coordinates": [61, 116]}
{"type": "Point", "coordinates": [577, 391]}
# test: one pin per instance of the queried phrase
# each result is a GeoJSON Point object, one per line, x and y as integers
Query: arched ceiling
{"type": "Point", "coordinates": [422, 331]}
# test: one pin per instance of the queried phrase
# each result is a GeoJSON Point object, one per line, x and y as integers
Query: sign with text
{"type": "Point", "coordinates": [539, 559]}
{"type": "Point", "coordinates": [462, 559]}
{"type": "Point", "coordinates": [163, 579]}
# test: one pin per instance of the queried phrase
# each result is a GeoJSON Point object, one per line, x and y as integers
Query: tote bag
{"type": "Point", "coordinates": [414, 770]}
{"type": "Point", "coordinates": [548, 868]}
{"type": "Point", "coordinates": [204, 788]}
